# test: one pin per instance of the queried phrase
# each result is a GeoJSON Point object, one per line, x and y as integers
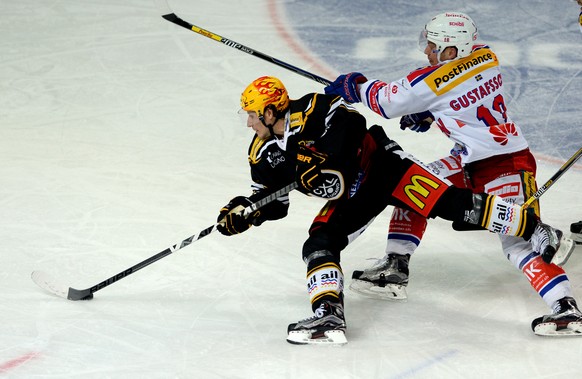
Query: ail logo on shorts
{"type": "Point", "coordinates": [419, 189]}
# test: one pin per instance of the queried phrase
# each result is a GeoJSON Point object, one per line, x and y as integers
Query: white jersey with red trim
{"type": "Point", "coordinates": [464, 95]}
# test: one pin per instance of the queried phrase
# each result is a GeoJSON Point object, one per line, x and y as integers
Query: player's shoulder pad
{"type": "Point", "coordinates": [419, 74]}
{"type": "Point", "coordinates": [258, 147]}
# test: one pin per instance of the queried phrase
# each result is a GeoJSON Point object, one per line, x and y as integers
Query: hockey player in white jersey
{"type": "Point", "coordinates": [462, 92]}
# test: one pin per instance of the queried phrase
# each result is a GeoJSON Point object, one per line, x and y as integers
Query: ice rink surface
{"type": "Point", "coordinates": [119, 137]}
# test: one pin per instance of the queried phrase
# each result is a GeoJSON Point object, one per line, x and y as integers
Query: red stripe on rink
{"type": "Point", "coordinates": [559, 161]}
{"type": "Point", "coordinates": [16, 362]}
{"type": "Point", "coordinates": [295, 45]}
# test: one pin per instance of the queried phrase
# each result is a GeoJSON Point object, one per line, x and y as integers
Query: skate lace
{"type": "Point", "coordinates": [542, 237]}
{"type": "Point", "coordinates": [319, 313]}
{"type": "Point", "coordinates": [307, 319]}
{"type": "Point", "coordinates": [377, 261]}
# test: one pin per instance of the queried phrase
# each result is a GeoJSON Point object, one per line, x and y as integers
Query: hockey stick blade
{"type": "Point", "coordinates": [49, 284]}
{"type": "Point", "coordinates": [169, 15]}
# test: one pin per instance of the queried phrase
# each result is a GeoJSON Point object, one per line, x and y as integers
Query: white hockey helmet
{"type": "Point", "coordinates": [450, 29]}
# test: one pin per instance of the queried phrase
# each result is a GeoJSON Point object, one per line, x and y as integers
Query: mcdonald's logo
{"type": "Point", "coordinates": [419, 189]}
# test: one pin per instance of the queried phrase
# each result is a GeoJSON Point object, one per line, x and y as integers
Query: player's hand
{"type": "Point", "coordinates": [308, 174]}
{"type": "Point", "coordinates": [231, 219]}
{"type": "Point", "coordinates": [346, 86]}
{"type": "Point", "coordinates": [417, 122]}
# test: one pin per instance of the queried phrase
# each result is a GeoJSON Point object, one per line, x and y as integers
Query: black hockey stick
{"type": "Point", "coordinates": [569, 163]}
{"type": "Point", "coordinates": [48, 283]}
{"type": "Point", "coordinates": [172, 17]}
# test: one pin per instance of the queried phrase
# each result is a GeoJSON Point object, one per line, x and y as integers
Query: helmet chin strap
{"type": "Point", "coordinates": [270, 126]}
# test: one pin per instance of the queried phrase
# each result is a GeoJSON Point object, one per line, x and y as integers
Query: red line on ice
{"type": "Point", "coordinates": [294, 44]}
{"type": "Point", "coordinates": [13, 363]}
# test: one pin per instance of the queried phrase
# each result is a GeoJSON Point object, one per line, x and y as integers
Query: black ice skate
{"type": "Point", "coordinates": [545, 240]}
{"type": "Point", "coordinates": [387, 279]}
{"type": "Point", "coordinates": [326, 327]}
{"type": "Point", "coordinates": [566, 321]}
{"type": "Point", "coordinates": [576, 230]}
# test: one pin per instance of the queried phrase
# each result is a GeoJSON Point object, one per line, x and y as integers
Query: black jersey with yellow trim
{"type": "Point", "coordinates": [271, 169]}
{"type": "Point", "coordinates": [270, 166]}
{"type": "Point", "coordinates": [329, 125]}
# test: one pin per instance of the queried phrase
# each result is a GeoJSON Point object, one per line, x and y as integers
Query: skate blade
{"type": "Point", "coordinates": [549, 329]}
{"type": "Point", "coordinates": [304, 337]}
{"type": "Point", "coordinates": [390, 292]}
{"type": "Point", "coordinates": [566, 249]}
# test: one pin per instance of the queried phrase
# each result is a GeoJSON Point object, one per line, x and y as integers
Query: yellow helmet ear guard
{"type": "Point", "coordinates": [264, 92]}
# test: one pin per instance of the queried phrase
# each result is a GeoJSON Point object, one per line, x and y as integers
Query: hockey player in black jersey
{"type": "Point", "coordinates": [271, 169]}
{"type": "Point", "coordinates": [328, 150]}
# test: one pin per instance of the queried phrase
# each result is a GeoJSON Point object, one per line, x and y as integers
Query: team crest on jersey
{"type": "Point", "coordinates": [332, 187]}
{"type": "Point", "coordinates": [274, 158]}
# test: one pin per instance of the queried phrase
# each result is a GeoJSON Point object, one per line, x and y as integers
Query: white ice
{"type": "Point", "coordinates": [119, 138]}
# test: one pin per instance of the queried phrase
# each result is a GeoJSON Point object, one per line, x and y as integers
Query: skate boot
{"type": "Point", "coordinates": [387, 279]}
{"type": "Point", "coordinates": [545, 240]}
{"type": "Point", "coordinates": [565, 321]}
{"type": "Point", "coordinates": [326, 327]}
{"type": "Point", "coordinates": [576, 229]}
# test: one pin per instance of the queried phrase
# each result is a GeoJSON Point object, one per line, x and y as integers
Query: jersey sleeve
{"type": "Point", "coordinates": [395, 99]}
{"type": "Point", "coordinates": [270, 170]}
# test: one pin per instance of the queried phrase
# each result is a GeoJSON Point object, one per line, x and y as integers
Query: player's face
{"type": "Point", "coordinates": [257, 125]}
{"type": "Point", "coordinates": [431, 53]}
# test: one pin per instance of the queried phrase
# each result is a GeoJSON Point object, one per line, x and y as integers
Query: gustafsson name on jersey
{"type": "Point", "coordinates": [454, 73]}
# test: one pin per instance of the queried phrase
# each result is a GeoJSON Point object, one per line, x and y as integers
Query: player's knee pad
{"type": "Point", "coordinates": [325, 280]}
{"type": "Point", "coordinates": [321, 243]}
{"type": "Point", "coordinates": [499, 216]}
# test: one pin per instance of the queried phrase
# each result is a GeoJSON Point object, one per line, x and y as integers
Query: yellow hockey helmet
{"type": "Point", "coordinates": [263, 92]}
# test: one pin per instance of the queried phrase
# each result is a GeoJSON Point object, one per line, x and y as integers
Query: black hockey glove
{"type": "Point", "coordinates": [231, 220]}
{"type": "Point", "coordinates": [308, 174]}
{"type": "Point", "coordinates": [417, 122]}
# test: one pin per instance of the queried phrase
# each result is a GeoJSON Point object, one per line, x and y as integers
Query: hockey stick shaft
{"type": "Point", "coordinates": [85, 294]}
{"type": "Point", "coordinates": [172, 17]}
{"type": "Point", "coordinates": [569, 163]}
